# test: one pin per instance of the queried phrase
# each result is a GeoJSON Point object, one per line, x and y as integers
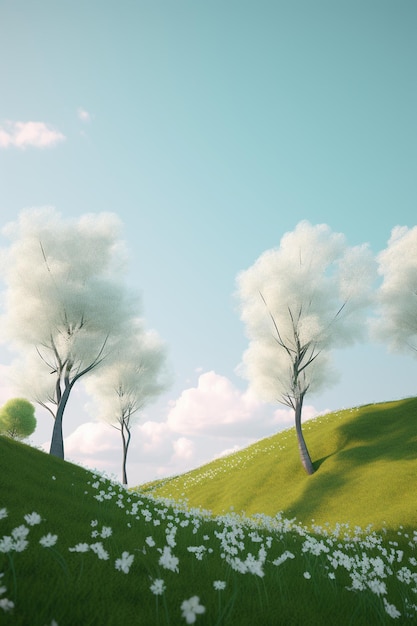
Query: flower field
{"type": "Point", "coordinates": [77, 548]}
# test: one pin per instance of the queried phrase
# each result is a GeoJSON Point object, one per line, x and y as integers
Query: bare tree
{"type": "Point", "coordinates": [298, 302]}
{"type": "Point", "coordinates": [396, 322]}
{"type": "Point", "coordinates": [66, 307]}
{"type": "Point", "coordinates": [133, 376]}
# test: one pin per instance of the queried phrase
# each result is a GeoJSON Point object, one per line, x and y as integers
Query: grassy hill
{"type": "Point", "coordinates": [76, 548]}
{"type": "Point", "coordinates": [366, 468]}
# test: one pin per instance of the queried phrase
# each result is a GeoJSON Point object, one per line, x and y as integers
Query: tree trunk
{"type": "Point", "coordinates": [125, 450]}
{"type": "Point", "coordinates": [304, 454]}
{"type": "Point", "coordinates": [57, 441]}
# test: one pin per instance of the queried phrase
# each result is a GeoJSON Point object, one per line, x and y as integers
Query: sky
{"type": "Point", "coordinates": [210, 129]}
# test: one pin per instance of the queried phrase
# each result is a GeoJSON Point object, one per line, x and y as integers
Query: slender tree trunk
{"type": "Point", "coordinates": [126, 442]}
{"type": "Point", "coordinates": [302, 447]}
{"type": "Point", "coordinates": [57, 441]}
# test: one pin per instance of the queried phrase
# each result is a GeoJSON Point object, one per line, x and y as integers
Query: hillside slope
{"type": "Point", "coordinates": [76, 548]}
{"type": "Point", "coordinates": [366, 467]}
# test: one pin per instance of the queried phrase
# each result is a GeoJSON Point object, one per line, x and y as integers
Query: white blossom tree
{"type": "Point", "coordinates": [396, 322]}
{"type": "Point", "coordinates": [65, 303]}
{"type": "Point", "coordinates": [298, 301]}
{"type": "Point", "coordinates": [135, 375]}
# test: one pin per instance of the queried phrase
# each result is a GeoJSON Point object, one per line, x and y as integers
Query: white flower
{"type": "Point", "coordinates": [158, 587]}
{"type": "Point", "coordinates": [48, 540]}
{"type": "Point", "coordinates": [377, 586]}
{"type": "Point", "coordinates": [20, 545]}
{"type": "Point", "coordinates": [378, 567]}
{"type": "Point", "coordinates": [170, 537]}
{"type": "Point", "coordinates": [125, 562]}
{"type": "Point", "coordinates": [198, 551]}
{"type": "Point", "coordinates": [33, 518]}
{"type": "Point", "coordinates": [6, 605]}
{"type": "Point", "coordinates": [3, 513]}
{"type": "Point", "coordinates": [314, 547]}
{"type": "Point", "coordinates": [253, 566]}
{"type": "Point", "coordinates": [168, 560]}
{"type": "Point", "coordinates": [219, 585]}
{"type": "Point", "coordinates": [99, 550]}
{"type": "Point", "coordinates": [150, 541]}
{"type": "Point", "coordinates": [6, 544]}
{"type": "Point", "coordinates": [94, 523]}
{"type": "Point", "coordinates": [21, 532]}
{"type": "Point", "coordinates": [281, 559]}
{"type": "Point", "coordinates": [80, 547]}
{"type": "Point", "coordinates": [191, 608]}
{"type": "Point", "coordinates": [307, 575]}
{"type": "Point", "coordinates": [106, 531]}
{"type": "Point", "coordinates": [391, 609]}
{"type": "Point", "coordinates": [17, 542]}
{"type": "Point", "coordinates": [357, 584]}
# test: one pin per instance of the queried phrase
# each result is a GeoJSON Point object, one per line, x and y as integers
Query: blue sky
{"type": "Point", "coordinates": [211, 129]}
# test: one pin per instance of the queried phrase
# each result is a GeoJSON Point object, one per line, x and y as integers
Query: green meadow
{"type": "Point", "coordinates": [248, 539]}
{"type": "Point", "coordinates": [365, 460]}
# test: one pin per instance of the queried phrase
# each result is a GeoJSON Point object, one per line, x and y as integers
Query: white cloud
{"type": "Point", "coordinates": [184, 448]}
{"type": "Point", "coordinates": [215, 407]}
{"type": "Point", "coordinates": [154, 450]}
{"type": "Point", "coordinates": [153, 441]}
{"type": "Point", "coordinates": [83, 115]}
{"type": "Point", "coordinates": [28, 134]}
{"type": "Point", "coordinates": [91, 438]}
{"type": "Point", "coordinates": [7, 391]}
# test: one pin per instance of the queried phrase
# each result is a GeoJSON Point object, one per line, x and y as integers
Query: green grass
{"type": "Point", "coordinates": [276, 572]}
{"type": "Point", "coordinates": [366, 468]}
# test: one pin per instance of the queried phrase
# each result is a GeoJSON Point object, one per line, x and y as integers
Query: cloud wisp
{"type": "Point", "coordinates": [83, 115]}
{"type": "Point", "coordinates": [29, 135]}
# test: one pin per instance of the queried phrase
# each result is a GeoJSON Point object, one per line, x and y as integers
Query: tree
{"type": "Point", "coordinates": [65, 305]}
{"type": "Point", "coordinates": [396, 323]}
{"type": "Point", "coordinates": [298, 302]}
{"type": "Point", "coordinates": [134, 375]}
{"type": "Point", "coordinates": [17, 418]}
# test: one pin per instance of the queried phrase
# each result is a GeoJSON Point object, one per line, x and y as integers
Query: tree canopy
{"type": "Point", "coordinates": [396, 321]}
{"type": "Point", "coordinates": [17, 418]}
{"type": "Point", "coordinates": [298, 301]}
{"type": "Point", "coordinates": [134, 375]}
{"type": "Point", "coordinates": [66, 305]}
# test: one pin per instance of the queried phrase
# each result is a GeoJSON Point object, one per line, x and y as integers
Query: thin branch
{"type": "Point", "coordinates": [45, 361]}
{"type": "Point", "coordinates": [45, 406]}
{"type": "Point", "coordinates": [279, 340]}
{"type": "Point", "coordinates": [93, 364]}
{"type": "Point", "coordinates": [313, 358]}
{"type": "Point", "coordinates": [45, 259]}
